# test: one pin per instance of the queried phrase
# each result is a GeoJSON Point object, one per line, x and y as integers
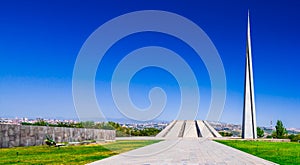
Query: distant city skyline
{"type": "Point", "coordinates": [39, 43]}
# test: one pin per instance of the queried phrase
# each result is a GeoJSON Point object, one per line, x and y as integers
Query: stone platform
{"type": "Point", "coordinates": [184, 151]}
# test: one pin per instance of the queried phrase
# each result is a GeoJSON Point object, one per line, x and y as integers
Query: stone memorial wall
{"type": "Point", "coordinates": [21, 135]}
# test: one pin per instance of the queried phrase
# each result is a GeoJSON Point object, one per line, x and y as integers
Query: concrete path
{"type": "Point", "coordinates": [184, 151]}
{"type": "Point", "coordinates": [140, 138]}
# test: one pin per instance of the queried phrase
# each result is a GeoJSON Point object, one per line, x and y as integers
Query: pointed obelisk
{"type": "Point", "coordinates": [249, 114]}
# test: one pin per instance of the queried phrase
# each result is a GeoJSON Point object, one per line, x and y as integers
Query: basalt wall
{"type": "Point", "coordinates": [21, 135]}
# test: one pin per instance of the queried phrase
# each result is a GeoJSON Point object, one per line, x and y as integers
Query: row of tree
{"type": "Point", "coordinates": [121, 131]}
{"type": "Point", "coordinates": [279, 133]}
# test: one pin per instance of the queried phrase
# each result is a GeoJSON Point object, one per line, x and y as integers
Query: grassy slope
{"type": "Point", "coordinates": [278, 152]}
{"type": "Point", "coordinates": [67, 155]}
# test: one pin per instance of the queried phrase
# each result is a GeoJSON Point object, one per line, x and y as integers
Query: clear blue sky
{"type": "Point", "coordinates": [40, 40]}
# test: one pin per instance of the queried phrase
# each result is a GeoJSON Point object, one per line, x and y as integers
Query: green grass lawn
{"type": "Point", "coordinates": [68, 154]}
{"type": "Point", "coordinates": [278, 152]}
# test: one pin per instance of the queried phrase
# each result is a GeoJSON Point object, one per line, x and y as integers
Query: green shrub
{"type": "Point", "coordinates": [260, 132]}
{"type": "Point", "coordinates": [225, 133]}
{"type": "Point", "coordinates": [49, 141]}
{"type": "Point", "coordinates": [294, 138]}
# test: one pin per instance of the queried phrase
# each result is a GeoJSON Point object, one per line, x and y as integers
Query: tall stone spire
{"type": "Point", "coordinates": [249, 114]}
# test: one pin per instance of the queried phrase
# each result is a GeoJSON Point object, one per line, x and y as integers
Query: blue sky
{"type": "Point", "coordinates": [40, 40]}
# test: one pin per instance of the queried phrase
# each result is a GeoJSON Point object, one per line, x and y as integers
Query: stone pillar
{"type": "Point", "coordinates": [249, 114]}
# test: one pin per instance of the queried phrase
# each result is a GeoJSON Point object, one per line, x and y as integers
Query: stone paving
{"type": "Point", "coordinates": [184, 151]}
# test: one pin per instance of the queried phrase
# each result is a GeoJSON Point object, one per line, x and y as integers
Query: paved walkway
{"type": "Point", "coordinates": [184, 151]}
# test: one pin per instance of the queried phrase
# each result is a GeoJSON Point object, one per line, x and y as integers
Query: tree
{"type": "Point", "coordinates": [40, 122]}
{"type": "Point", "coordinates": [260, 132]}
{"type": "Point", "coordinates": [225, 133]}
{"type": "Point", "coordinates": [88, 124]}
{"type": "Point", "coordinates": [280, 130]}
{"type": "Point", "coordinates": [294, 138]}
